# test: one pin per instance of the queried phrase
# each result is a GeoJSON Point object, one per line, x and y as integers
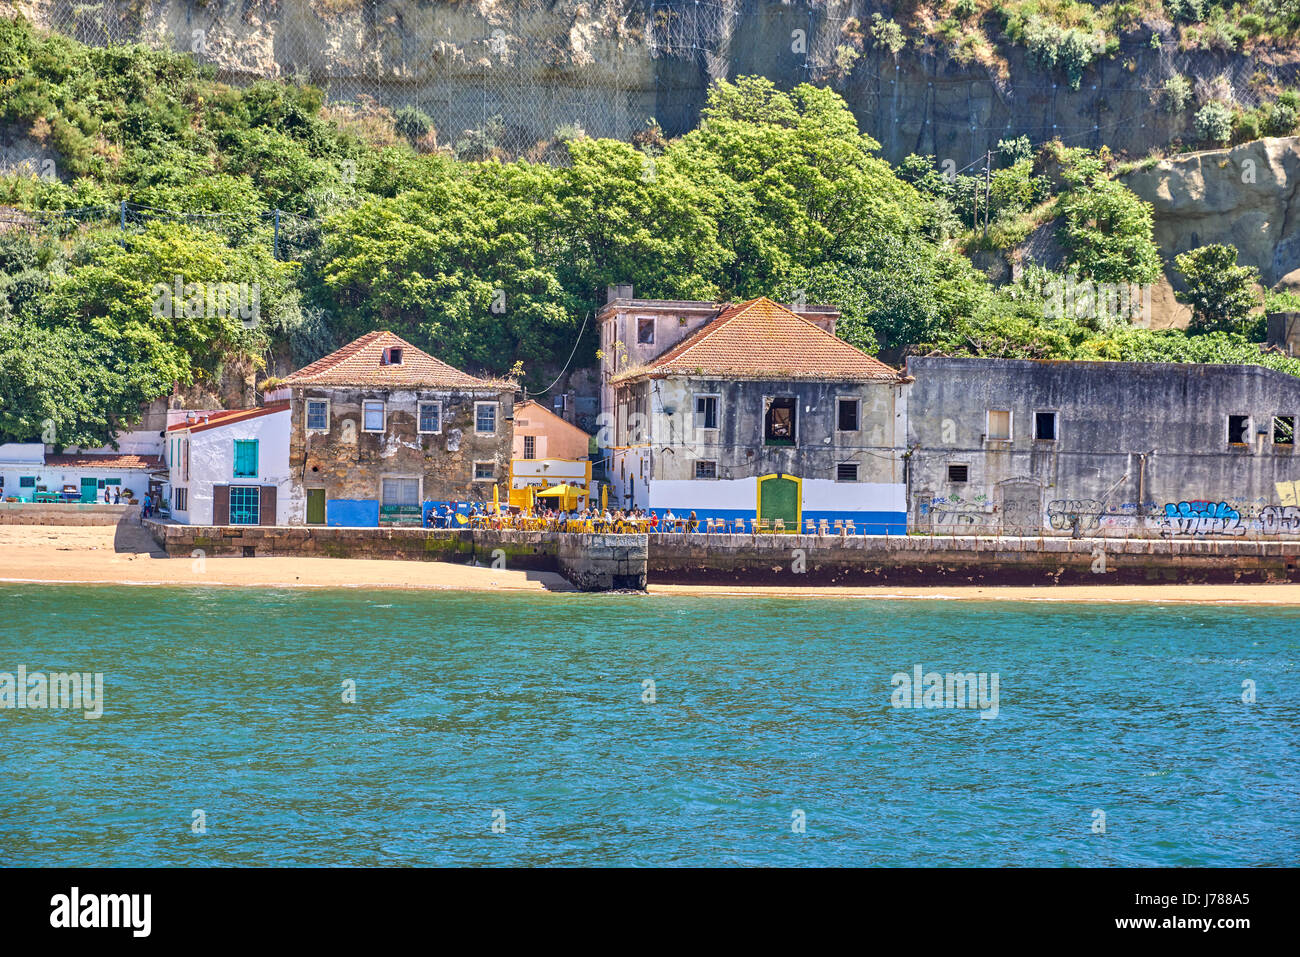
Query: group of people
{"type": "Point", "coordinates": [112, 495]}
{"type": "Point", "coordinates": [601, 519]}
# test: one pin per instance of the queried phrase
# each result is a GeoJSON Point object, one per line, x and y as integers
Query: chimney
{"type": "Point", "coordinates": [623, 291]}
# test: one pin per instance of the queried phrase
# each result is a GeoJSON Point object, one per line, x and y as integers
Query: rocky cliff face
{"type": "Point", "coordinates": [1244, 197]}
{"type": "Point", "coordinates": [609, 65]}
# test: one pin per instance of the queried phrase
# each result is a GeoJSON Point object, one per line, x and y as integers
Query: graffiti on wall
{"type": "Point", "coordinates": [1276, 519]}
{"type": "Point", "coordinates": [944, 512]}
{"type": "Point", "coordinates": [1203, 518]}
{"type": "Point", "coordinates": [1062, 513]}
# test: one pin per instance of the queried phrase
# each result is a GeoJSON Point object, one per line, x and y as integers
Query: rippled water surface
{"type": "Point", "coordinates": [529, 709]}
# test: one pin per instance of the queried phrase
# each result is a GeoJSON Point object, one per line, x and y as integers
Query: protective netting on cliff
{"type": "Point", "coordinates": [515, 77]}
{"type": "Point", "coordinates": [510, 78]}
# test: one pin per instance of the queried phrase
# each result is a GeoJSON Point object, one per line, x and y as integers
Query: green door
{"type": "Point", "coordinates": [89, 490]}
{"type": "Point", "coordinates": [778, 497]}
{"type": "Point", "coordinates": [315, 506]}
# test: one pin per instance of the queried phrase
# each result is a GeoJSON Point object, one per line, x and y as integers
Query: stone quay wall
{"type": "Point", "coordinates": [599, 562]}
{"type": "Point", "coordinates": [71, 513]}
{"type": "Point", "coordinates": [797, 560]}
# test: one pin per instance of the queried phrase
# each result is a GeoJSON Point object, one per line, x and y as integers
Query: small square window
{"type": "Point", "coordinates": [958, 473]}
{"type": "Point", "coordinates": [485, 418]}
{"type": "Point", "coordinates": [430, 416]}
{"type": "Point", "coordinates": [846, 472]}
{"type": "Point", "coordinates": [1045, 426]}
{"type": "Point", "coordinates": [484, 471]}
{"type": "Point", "coordinates": [999, 425]}
{"type": "Point", "coordinates": [706, 469]}
{"type": "Point", "coordinates": [392, 356]}
{"type": "Point", "coordinates": [1238, 429]}
{"type": "Point", "coordinates": [373, 420]}
{"type": "Point", "coordinates": [645, 331]}
{"type": "Point", "coordinates": [318, 415]}
{"type": "Point", "coordinates": [847, 415]}
{"type": "Point", "coordinates": [1284, 430]}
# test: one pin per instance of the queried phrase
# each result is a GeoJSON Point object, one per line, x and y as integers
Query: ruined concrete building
{"type": "Point", "coordinates": [381, 432]}
{"type": "Point", "coordinates": [752, 410]}
{"type": "Point", "coordinates": [1024, 446]}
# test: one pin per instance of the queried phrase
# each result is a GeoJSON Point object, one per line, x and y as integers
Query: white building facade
{"type": "Point", "coordinates": [230, 468]}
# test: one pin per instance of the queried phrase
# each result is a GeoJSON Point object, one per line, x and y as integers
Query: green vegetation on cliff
{"type": "Point", "coordinates": [164, 179]}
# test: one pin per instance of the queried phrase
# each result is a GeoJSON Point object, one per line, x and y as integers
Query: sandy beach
{"type": "Point", "coordinates": [127, 555]}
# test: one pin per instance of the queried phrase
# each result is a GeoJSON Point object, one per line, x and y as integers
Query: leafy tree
{"type": "Point", "coordinates": [1220, 292]}
{"type": "Point", "coordinates": [1105, 228]}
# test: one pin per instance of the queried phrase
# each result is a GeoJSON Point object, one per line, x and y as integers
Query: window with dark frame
{"type": "Point", "coordinates": [530, 446]}
{"type": "Point", "coordinates": [706, 469]}
{"type": "Point", "coordinates": [1284, 430]}
{"type": "Point", "coordinates": [847, 415]}
{"type": "Point", "coordinates": [781, 421]}
{"type": "Point", "coordinates": [1238, 429]}
{"type": "Point", "coordinates": [958, 473]}
{"type": "Point", "coordinates": [645, 331]}
{"type": "Point", "coordinates": [706, 411]}
{"type": "Point", "coordinates": [484, 471]}
{"type": "Point", "coordinates": [846, 472]}
{"type": "Point", "coordinates": [1045, 426]}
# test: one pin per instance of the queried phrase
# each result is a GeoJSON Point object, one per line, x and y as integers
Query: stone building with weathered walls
{"type": "Point", "coordinates": [381, 432]}
{"type": "Point", "coordinates": [758, 413]}
{"type": "Point", "coordinates": [1046, 447]}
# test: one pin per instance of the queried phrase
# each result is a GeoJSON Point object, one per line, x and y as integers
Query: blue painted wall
{"type": "Point", "coordinates": [352, 512]}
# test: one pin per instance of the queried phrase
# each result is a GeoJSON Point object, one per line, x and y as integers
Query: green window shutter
{"type": "Point", "coordinates": [245, 458]}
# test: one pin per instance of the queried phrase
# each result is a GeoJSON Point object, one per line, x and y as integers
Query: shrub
{"type": "Point", "coordinates": [1214, 122]}
{"type": "Point", "coordinates": [412, 123]}
{"type": "Point", "coordinates": [1176, 94]}
{"type": "Point", "coordinates": [1283, 115]}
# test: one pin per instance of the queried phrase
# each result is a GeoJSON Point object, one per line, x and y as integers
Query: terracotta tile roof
{"type": "Point", "coordinates": [213, 420]}
{"type": "Point", "coordinates": [103, 460]}
{"type": "Point", "coordinates": [761, 339]}
{"type": "Point", "coordinates": [360, 363]}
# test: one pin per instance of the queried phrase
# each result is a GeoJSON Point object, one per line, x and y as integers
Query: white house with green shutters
{"type": "Point", "coordinates": [230, 468]}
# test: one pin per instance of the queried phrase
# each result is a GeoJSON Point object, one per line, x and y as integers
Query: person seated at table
{"type": "Point", "coordinates": [692, 523]}
{"type": "Point", "coordinates": [653, 521]}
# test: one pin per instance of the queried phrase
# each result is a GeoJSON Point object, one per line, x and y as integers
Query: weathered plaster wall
{"type": "Point", "coordinates": [349, 462]}
{"type": "Point", "coordinates": [1142, 447]}
{"type": "Point", "coordinates": [212, 462]}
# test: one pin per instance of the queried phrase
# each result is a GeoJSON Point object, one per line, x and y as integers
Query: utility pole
{"type": "Point", "coordinates": [988, 177]}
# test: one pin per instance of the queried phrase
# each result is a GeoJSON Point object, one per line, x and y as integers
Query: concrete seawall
{"type": "Point", "coordinates": [591, 562]}
{"type": "Point", "coordinates": [73, 513]}
{"type": "Point", "coordinates": [797, 560]}
{"type": "Point", "coordinates": [599, 562]}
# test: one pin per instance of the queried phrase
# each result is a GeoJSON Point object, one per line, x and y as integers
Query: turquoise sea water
{"type": "Point", "coordinates": [230, 701]}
